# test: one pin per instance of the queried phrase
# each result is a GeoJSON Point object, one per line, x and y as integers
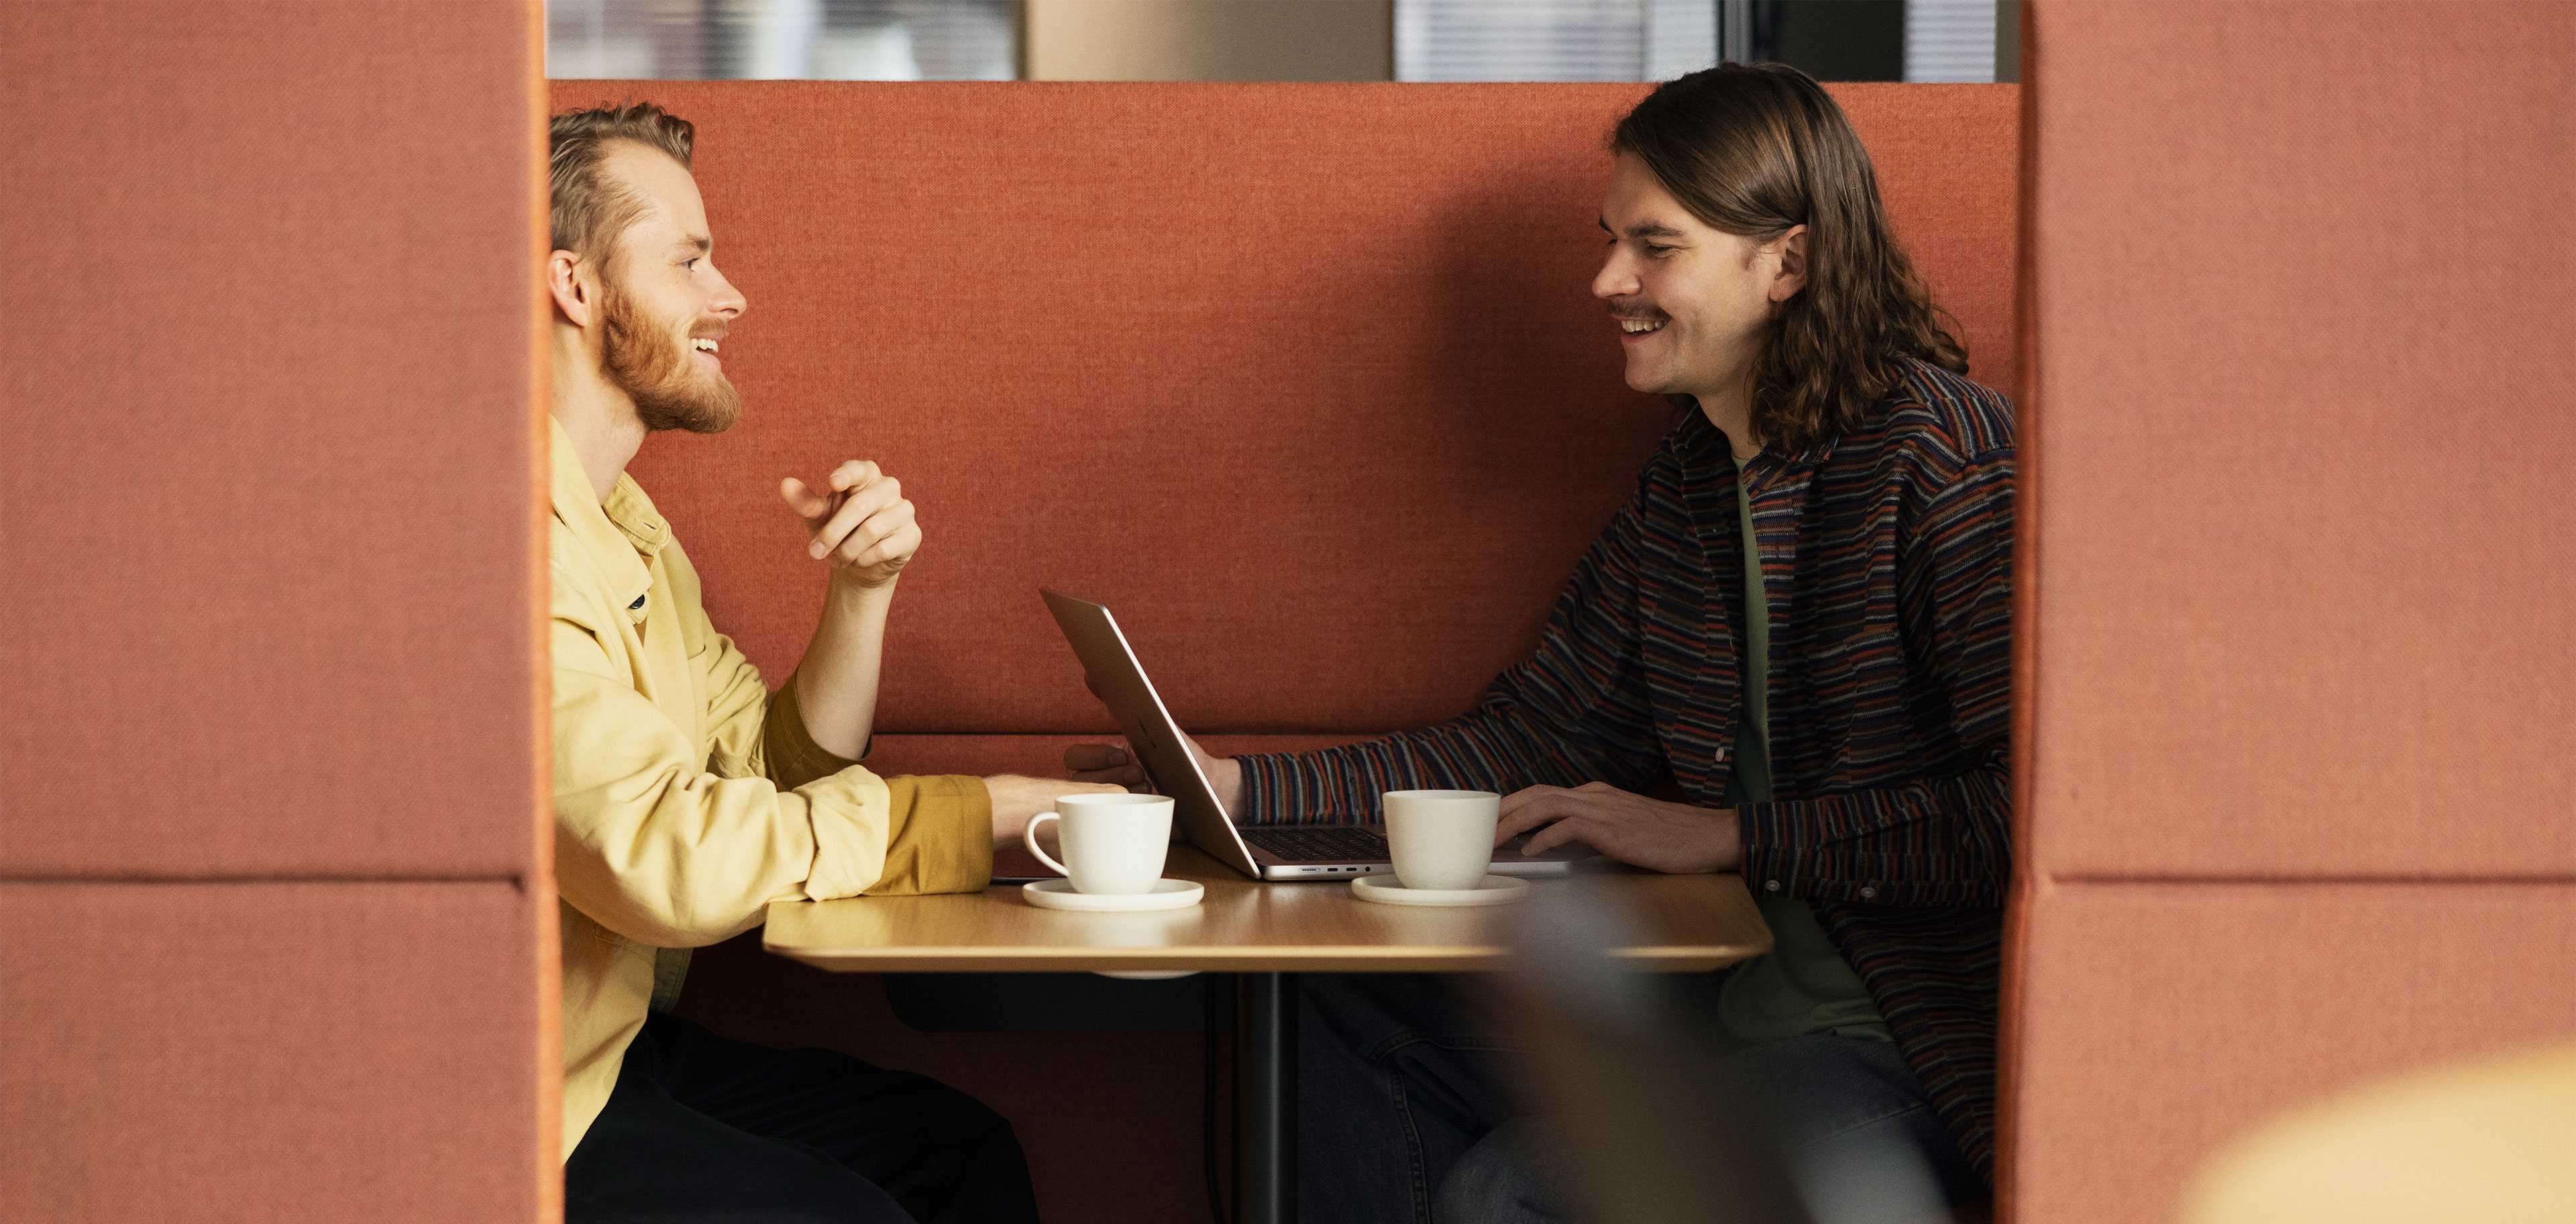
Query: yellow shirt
{"type": "Point", "coordinates": [686, 797]}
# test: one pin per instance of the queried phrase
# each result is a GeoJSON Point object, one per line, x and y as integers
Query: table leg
{"type": "Point", "coordinates": [1265, 1098]}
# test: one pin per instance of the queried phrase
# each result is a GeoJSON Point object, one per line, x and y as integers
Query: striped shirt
{"type": "Point", "coordinates": [1887, 563]}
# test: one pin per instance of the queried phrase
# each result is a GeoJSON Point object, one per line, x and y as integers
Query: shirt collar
{"type": "Point", "coordinates": [1694, 437]}
{"type": "Point", "coordinates": [622, 534]}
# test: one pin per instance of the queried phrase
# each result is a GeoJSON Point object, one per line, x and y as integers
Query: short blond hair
{"type": "Point", "coordinates": [590, 209]}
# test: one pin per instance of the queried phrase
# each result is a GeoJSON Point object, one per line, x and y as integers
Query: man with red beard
{"type": "Point", "coordinates": [686, 796]}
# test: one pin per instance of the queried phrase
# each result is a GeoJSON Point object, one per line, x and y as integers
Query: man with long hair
{"type": "Point", "coordinates": [686, 796]}
{"type": "Point", "coordinates": [1802, 620]}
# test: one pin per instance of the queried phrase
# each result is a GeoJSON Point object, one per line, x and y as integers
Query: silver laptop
{"type": "Point", "coordinates": [1349, 844]}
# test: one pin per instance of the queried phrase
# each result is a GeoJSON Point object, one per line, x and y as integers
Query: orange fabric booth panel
{"type": "Point", "coordinates": [2299, 726]}
{"type": "Point", "coordinates": [1305, 382]}
{"type": "Point", "coordinates": [279, 910]}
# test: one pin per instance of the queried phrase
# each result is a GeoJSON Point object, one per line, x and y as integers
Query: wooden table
{"type": "Point", "coordinates": [1263, 933]}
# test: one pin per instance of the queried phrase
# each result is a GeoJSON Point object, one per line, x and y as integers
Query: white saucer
{"type": "Point", "coordinates": [1384, 889]}
{"type": "Point", "coordinates": [1166, 894]}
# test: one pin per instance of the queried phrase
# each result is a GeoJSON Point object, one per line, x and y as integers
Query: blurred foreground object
{"type": "Point", "coordinates": [1638, 1108]}
{"type": "Point", "coordinates": [2494, 1143]}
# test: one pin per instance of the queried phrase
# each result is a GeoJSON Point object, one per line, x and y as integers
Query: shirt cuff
{"type": "Point", "coordinates": [794, 758]}
{"type": "Point", "coordinates": [939, 836]}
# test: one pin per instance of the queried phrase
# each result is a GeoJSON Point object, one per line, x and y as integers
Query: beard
{"type": "Point", "coordinates": [653, 368]}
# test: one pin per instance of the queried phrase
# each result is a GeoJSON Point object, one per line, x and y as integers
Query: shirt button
{"type": "Point", "coordinates": [1869, 892]}
{"type": "Point", "coordinates": [1771, 886]}
{"type": "Point", "coordinates": [1721, 753]}
{"type": "Point", "coordinates": [639, 602]}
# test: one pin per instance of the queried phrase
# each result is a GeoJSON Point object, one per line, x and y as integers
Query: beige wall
{"type": "Point", "coordinates": [1211, 40]}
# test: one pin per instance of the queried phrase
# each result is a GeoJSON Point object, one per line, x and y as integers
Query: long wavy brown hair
{"type": "Point", "coordinates": [1754, 150]}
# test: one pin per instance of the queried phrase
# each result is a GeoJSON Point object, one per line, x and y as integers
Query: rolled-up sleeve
{"type": "Point", "coordinates": [656, 847]}
{"type": "Point", "coordinates": [665, 852]}
{"type": "Point", "coordinates": [939, 829]}
{"type": "Point", "coordinates": [942, 836]}
{"type": "Point", "coordinates": [789, 755]}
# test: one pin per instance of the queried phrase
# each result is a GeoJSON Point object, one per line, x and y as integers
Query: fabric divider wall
{"type": "Point", "coordinates": [285, 1051]}
{"type": "Point", "coordinates": [2303, 287]}
{"type": "Point", "coordinates": [269, 479]}
{"type": "Point", "coordinates": [2299, 731]}
{"type": "Point", "coordinates": [274, 846]}
{"type": "Point", "coordinates": [2160, 1021]}
{"type": "Point", "coordinates": [1305, 382]}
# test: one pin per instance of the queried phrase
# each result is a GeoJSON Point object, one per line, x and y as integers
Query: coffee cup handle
{"type": "Point", "coordinates": [1029, 838]}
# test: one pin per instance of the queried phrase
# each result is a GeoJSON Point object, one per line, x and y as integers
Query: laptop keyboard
{"type": "Point", "coordinates": [1316, 843]}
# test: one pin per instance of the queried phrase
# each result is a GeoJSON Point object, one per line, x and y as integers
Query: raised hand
{"type": "Point", "coordinates": [860, 520]}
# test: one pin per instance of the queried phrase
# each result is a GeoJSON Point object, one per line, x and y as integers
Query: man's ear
{"type": "Point", "coordinates": [1792, 248]}
{"type": "Point", "coordinates": [575, 290]}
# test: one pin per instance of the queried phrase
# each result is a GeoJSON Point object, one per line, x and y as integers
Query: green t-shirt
{"type": "Point", "coordinates": [1803, 986]}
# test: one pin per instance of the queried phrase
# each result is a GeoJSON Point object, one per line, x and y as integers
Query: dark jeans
{"type": "Point", "coordinates": [1402, 1118]}
{"type": "Point", "coordinates": [700, 1128]}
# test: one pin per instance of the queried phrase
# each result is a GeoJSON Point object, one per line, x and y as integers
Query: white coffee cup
{"type": "Point", "coordinates": [1113, 844]}
{"type": "Point", "coordinates": [1441, 839]}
